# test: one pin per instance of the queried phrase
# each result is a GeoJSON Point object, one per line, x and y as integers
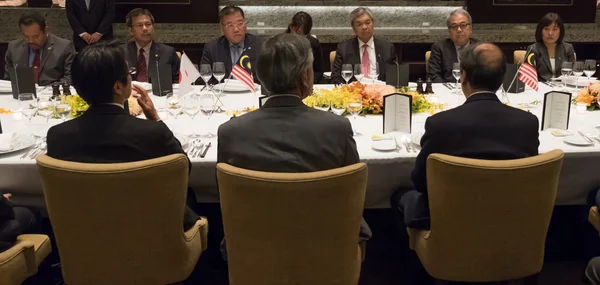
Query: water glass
{"type": "Point", "coordinates": [174, 105]}
{"type": "Point", "coordinates": [354, 108]}
{"type": "Point", "coordinates": [347, 72]}
{"type": "Point", "coordinates": [45, 107]}
{"type": "Point", "coordinates": [338, 108]}
{"type": "Point", "coordinates": [27, 105]}
{"type": "Point", "coordinates": [589, 68]}
{"type": "Point", "coordinates": [358, 72]}
{"type": "Point", "coordinates": [62, 107]}
{"type": "Point", "coordinates": [456, 74]}
{"type": "Point", "coordinates": [566, 70]}
{"type": "Point", "coordinates": [218, 70]}
{"type": "Point", "coordinates": [374, 71]}
{"type": "Point", "coordinates": [578, 67]}
{"type": "Point", "coordinates": [207, 103]}
{"type": "Point", "coordinates": [206, 73]}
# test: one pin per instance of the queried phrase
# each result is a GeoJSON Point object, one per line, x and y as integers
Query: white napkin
{"type": "Point", "coordinates": [6, 141]}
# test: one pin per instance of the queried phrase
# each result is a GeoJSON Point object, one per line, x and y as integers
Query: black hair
{"type": "Point", "coordinates": [547, 20]}
{"type": "Point", "coordinates": [32, 17]}
{"type": "Point", "coordinates": [136, 13]}
{"type": "Point", "coordinates": [303, 20]}
{"type": "Point", "coordinates": [230, 10]}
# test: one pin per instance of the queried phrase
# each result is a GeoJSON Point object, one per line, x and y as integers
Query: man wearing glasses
{"type": "Point", "coordinates": [235, 44]}
{"type": "Point", "coordinates": [143, 52]}
{"type": "Point", "coordinates": [445, 53]}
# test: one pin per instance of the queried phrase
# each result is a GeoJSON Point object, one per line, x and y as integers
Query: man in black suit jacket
{"type": "Point", "coordinates": [481, 128]}
{"type": "Point", "coordinates": [91, 20]}
{"type": "Point", "coordinates": [445, 53]}
{"type": "Point", "coordinates": [235, 43]}
{"type": "Point", "coordinates": [285, 135]}
{"type": "Point", "coordinates": [140, 24]}
{"type": "Point", "coordinates": [106, 133]}
{"type": "Point", "coordinates": [364, 49]}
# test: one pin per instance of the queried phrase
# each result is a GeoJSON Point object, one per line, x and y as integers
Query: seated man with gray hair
{"type": "Point", "coordinates": [447, 52]}
{"type": "Point", "coordinates": [285, 135]}
{"type": "Point", "coordinates": [365, 49]}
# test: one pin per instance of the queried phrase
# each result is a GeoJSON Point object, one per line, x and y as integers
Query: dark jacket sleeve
{"type": "Point", "coordinates": [336, 69]}
{"type": "Point", "coordinates": [436, 64]}
{"type": "Point", "coordinates": [108, 19]}
{"type": "Point", "coordinates": [76, 26]}
{"type": "Point", "coordinates": [318, 60]}
{"type": "Point", "coordinates": [351, 151]}
{"type": "Point", "coordinates": [69, 56]}
{"type": "Point", "coordinates": [7, 63]}
{"type": "Point", "coordinates": [569, 53]}
{"type": "Point", "coordinates": [175, 65]}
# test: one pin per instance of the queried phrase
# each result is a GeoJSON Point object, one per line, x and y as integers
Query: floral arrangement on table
{"type": "Point", "coordinates": [589, 95]}
{"type": "Point", "coordinates": [372, 97]}
{"type": "Point", "coordinates": [78, 105]}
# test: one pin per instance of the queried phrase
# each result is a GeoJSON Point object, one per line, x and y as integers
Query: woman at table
{"type": "Point", "coordinates": [302, 24]}
{"type": "Point", "coordinates": [549, 50]}
{"type": "Point", "coordinates": [15, 221]}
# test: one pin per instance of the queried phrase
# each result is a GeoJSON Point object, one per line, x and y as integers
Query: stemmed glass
{"type": "Point", "coordinates": [45, 107]}
{"type": "Point", "coordinates": [358, 72]}
{"type": "Point", "coordinates": [589, 68]}
{"type": "Point", "coordinates": [174, 105]}
{"type": "Point", "coordinates": [354, 107]}
{"type": "Point", "coordinates": [338, 108]}
{"type": "Point", "coordinates": [62, 107]}
{"type": "Point", "coordinates": [322, 104]}
{"type": "Point", "coordinates": [566, 70]}
{"type": "Point", "coordinates": [347, 72]}
{"type": "Point", "coordinates": [206, 74]}
{"type": "Point", "coordinates": [456, 74]}
{"type": "Point", "coordinates": [191, 106]}
{"type": "Point", "coordinates": [219, 74]}
{"type": "Point", "coordinates": [577, 71]}
{"type": "Point", "coordinates": [27, 105]}
{"type": "Point", "coordinates": [207, 103]}
{"type": "Point", "coordinates": [374, 72]}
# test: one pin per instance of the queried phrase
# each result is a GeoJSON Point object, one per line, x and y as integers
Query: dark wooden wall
{"type": "Point", "coordinates": [483, 11]}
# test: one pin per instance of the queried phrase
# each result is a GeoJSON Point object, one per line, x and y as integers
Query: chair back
{"type": "Point", "coordinates": [178, 54]}
{"type": "Point", "coordinates": [332, 59]}
{"type": "Point", "coordinates": [519, 56]}
{"type": "Point", "coordinates": [292, 228]}
{"type": "Point", "coordinates": [489, 218]}
{"type": "Point", "coordinates": [427, 56]}
{"type": "Point", "coordinates": [119, 223]}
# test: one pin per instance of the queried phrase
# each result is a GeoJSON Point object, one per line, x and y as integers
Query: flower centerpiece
{"type": "Point", "coordinates": [419, 101]}
{"type": "Point", "coordinates": [78, 105]}
{"type": "Point", "coordinates": [589, 96]}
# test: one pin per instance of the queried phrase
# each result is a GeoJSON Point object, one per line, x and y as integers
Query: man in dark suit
{"type": "Point", "coordinates": [234, 44]}
{"type": "Point", "coordinates": [90, 20]}
{"type": "Point", "coordinates": [48, 55]}
{"type": "Point", "coordinates": [143, 52]}
{"type": "Point", "coordinates": [481, 128]}
{"type": "Point", "coordinates": [106, 133]}
{"type": "Point", "coordinates": [15, 221]}
{"type": "Point", "coordinates": [445, 53]}
{"type": "Point", "coordinates": [285, 135]}
{"type": "Point", "coordinates": [365, 49]}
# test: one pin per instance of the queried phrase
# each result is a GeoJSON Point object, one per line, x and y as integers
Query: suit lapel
{"type": "Point", "coordinates": [378, 52]}
{"type": "Point", "coordinates": [451, 50]}
{"type": "Point", "coordinates": [92, 4]}
{"type": "Point", "coordinates": [47, 52]}
{"type": "Point", "coordinates": [356, 51]}
{"type": "Point", "coordinates": [227, 55]}
{"type": "Point", "coordinates": [559, 55]}
{"type": "Point", "coordinates": [152, 61]}
{"type": "Point", "coordinates": [545, 57]}
{"type": "Point", "coordinates": [22, 55]}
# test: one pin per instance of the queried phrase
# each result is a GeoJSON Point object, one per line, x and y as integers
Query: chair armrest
{"type": "Point", "coordinates": [594, 218]}
{"type": "Point", "coordinates": [191, 233]}
{"type": "Point", "coordinates": [414, 235]}
{"type": "Point", "coordinates": [24, 247]}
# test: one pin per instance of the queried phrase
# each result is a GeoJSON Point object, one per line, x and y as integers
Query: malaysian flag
{"type": "Point", "coordinates": [242, 75]}
{"type": "Point", "coordinates": [528, 73]}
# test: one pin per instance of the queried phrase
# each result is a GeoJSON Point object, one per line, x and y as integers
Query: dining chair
{"type": "Point", "coordinates": [427, 56]}
{"type": "Point", "coordinates": [22, 260]}
{"type": "Point", "coordinates": [332, 59]}
{"type": "Point", "coordinates": [489, 218]}
{"type": "Point", "coordinates": [292, 228]}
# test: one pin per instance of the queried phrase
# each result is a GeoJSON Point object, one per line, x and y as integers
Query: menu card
{"type": "Point", "coordinates": [556, 110]}
{"type": "Point", "coordinates": [397, 113]}
{"type": "Point", "coordinates": [22, 80]}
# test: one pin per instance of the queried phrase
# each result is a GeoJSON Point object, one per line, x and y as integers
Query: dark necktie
{"type": "Point", "coordinates": [36, 65]}
{"type": "Point", "coordinates": [142, 69]}
{"type": "Point", "coordinates": [236, 53]}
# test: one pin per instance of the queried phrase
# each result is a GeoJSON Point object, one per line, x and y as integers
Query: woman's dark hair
{"type": "Point", "coordinates": [96, 69]}
{"type": "Point", "coordinates": [302, 20]}
{"type": "Point", "coordinates": [29, 18]}
{"type": "Point", "coordinates": [547, 20]}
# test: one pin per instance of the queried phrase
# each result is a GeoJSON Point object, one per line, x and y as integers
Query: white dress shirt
{"type": "Point", "coordinates": [146, 52]}
{"type": "Point", "coordinates": [371, 51]}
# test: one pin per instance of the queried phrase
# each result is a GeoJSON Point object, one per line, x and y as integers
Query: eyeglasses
{"type": "Point", "coordinates": [141, 25]}
{"type": "Point", "coordinates": [462, 26]}
{"type": "Point", "coordinates": [236, 25]}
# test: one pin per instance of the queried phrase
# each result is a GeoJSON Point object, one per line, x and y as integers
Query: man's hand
{"type": "Point", "coordinates": [87, 38]}
{"type": "Point", "coordinates": [145, 102]}
{"type": "Point", "coordinates": [7, 196]}
{"type": "Point", "coordinates": [95, 37]}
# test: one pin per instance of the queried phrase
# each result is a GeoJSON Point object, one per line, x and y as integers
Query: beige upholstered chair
{"type": "Point", "coordinates": [427, 56]}
{"type": "Point", "coordinates": [122, 223]}
{"type": "Point", "coordinates": [22, 260]}
{"type": "Point", "coordinates": [292, 228]}
{"type": "Point", "coordinates": [519, 56]}
{"type": "Point", "coordinates": [594, 218]}
{"type": "Point", "coordinates": [178, 54]}
{"type": "Point", "coordinates": [489, 219]}
{"type": "Point", "coordinates": [332, 59]}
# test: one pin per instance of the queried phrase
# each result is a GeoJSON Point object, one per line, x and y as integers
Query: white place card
{"type": "Point", "coordinates": [397, 113]}
{"type": "Point", "coordinates": [556, 110]}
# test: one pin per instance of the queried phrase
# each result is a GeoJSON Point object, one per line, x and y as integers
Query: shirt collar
{"type": "Point", "coordinates": [466, 45]}
{"type": "Point", "coordinates": [146, 48]}
{"type": "Point", "coordinates": [241, 44]}
{"type": "Point", "coordinates": [115, 104]}
{"type": "Point", "coordinates": [370, 43]}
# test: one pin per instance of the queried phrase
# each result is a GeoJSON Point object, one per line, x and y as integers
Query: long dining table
{"type": "Point", "coordinates": [388, 171]}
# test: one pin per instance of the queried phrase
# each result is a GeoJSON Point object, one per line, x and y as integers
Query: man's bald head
{"type": "Point", "coordinates": [483, 66]}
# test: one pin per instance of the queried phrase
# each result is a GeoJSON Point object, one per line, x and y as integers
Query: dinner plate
{"type": "Point", "coordinates": [21, 142]}
{"type": "Point", "coordinates": [233, 85]}
{"type": "Point", "coordinates": [384, 145]}
{"type": "Point", "coordinates": [183, 139]}
{"type": "Point", "coordinates": [578, 141]}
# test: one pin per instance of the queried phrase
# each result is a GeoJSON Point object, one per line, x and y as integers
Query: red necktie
{"type": "Point", "coordinates": [365, 67]}
{"type": "Point", "coordinates": [142, 69]}
{"type": "Point", "coordinates": [36, 65]}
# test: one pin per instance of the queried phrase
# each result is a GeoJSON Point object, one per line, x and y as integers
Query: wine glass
{"type": "Point", "coordinates": [456, 74]}
{"type": "Point", "coordinates": [589, 68]}
{"type": "Point", "coordinates": [45, 107]}
{"type": "Point", "coordinates": [174, 105]}
{"type": "Point", "coordinates": [28, 105]}
{"type": "Point", "coordinates": [374, 72]}
{"type": "Point", "coordinates": [358, 72]}
{"type": "Point", "coordinates": [347, 72]}
{"type": "Point", "coordinates": [62, 107]}
{"type": "Point", "coordinates": [191, 106]}
{"type": "Point", "coordinates": [338, 108]}
{"type": "Point", "coordinates": [218, 70]}
{"type": "Point", "coordinates": [321, 103]}
{"type": "Point", "coordinates": [577, 71]}
{"type": "Point", "coordinates": [207, 103]}
{"type": "Point", "coordinates": [566, 70]}
{"type": "Point", "coordinates": [354, 108]}
{"type": "Point", "coordinates": [206, 74]}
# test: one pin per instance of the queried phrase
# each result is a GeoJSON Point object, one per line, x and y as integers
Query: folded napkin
{"type": "Point", "coordinates": [6, 141]}
{"type": "Point", "coordinates": [5, 83]}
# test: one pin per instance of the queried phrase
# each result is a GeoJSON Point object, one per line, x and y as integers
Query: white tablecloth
{"type": "Point", "coordinates": [388, 171]}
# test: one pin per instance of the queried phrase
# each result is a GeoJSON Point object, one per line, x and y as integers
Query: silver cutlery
{"type": "Point", "coordinates": [196, 151]}
{"type": "Point", "coordinates": [406, 144]}
{"type": "Point", "coordinates": [205, 150]}
{"type": "Point", "coordinates": [398, 148]}
{"type": "Point", "coordinates": [40, 150]}
{"type": "Point", "coordinates": [30, 151]}
{"type": "Point", "coordinates": [191, 145]}
{"type": "Point", "coordinates": [586, 137]}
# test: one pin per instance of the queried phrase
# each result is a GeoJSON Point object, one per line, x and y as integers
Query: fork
{"type": "Point", "coordinates": [27, 153]}
{"type": "Point", "coordinates": [41, 150]}
{"type": "Point", "coordinates": [398, 148]}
